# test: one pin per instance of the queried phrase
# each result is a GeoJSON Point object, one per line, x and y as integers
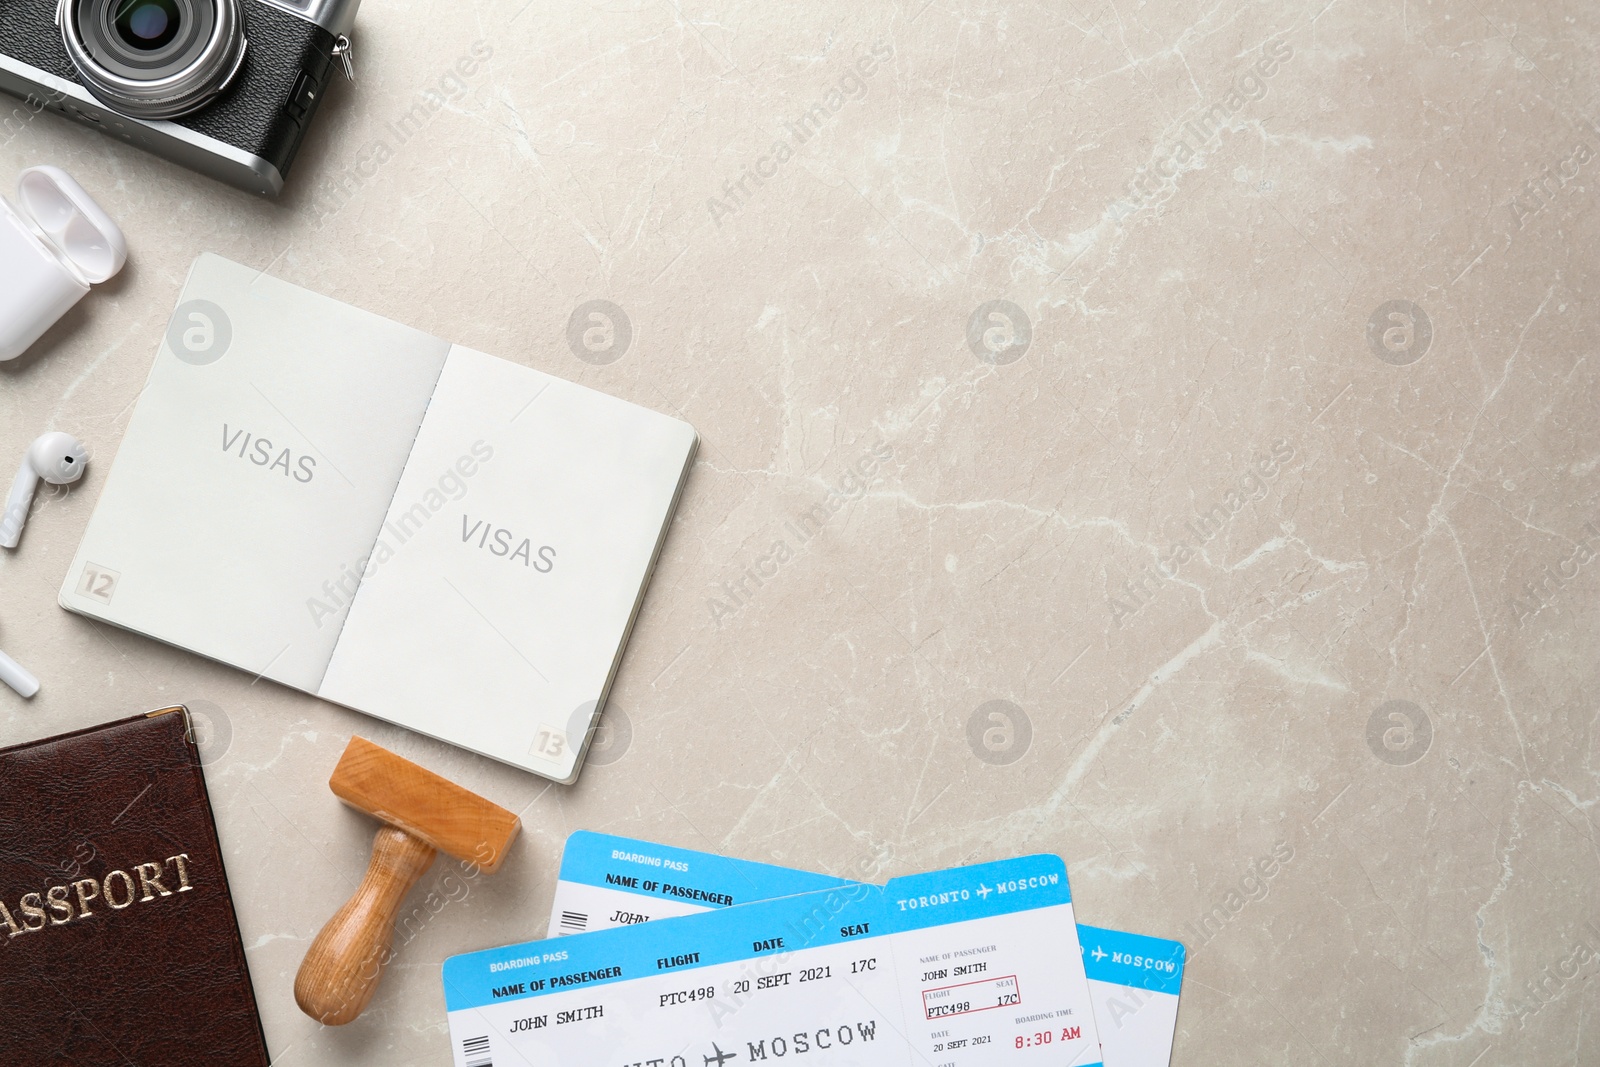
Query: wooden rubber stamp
{"type": "Point", "coordinates": [422, 815]}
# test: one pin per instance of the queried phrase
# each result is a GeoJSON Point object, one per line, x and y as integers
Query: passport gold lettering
{"type": "Point", "coordinates": [183, 870]}
{"type": "Point", "coordinates": [150, 875]}
{"type": "Point", "coordinates": [56, 900]}
{"type": "Point", "coordinates": [105, 889]}
{"type": "Point", "coordinates": [85, 896]}
{"type": "Point", "coordinates": [119, 889]}
{"type": "Point", "coordinates": [32, 911]}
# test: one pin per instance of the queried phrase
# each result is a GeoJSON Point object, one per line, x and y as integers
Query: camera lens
{"type": "Point", "coordinates": [148, 25]}
{"type": "Point", "coordinates": [154, 59]}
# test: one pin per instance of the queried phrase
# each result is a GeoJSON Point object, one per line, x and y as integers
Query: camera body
{"type": "Point", "coordinates": [224, 87]}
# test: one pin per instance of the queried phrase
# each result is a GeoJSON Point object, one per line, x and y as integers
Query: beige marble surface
{"type": "Point", "coordinates": [1199, 524]}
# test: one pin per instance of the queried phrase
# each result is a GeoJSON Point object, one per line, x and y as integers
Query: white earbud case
{"type": "Point", "coordinates": [51, 251]}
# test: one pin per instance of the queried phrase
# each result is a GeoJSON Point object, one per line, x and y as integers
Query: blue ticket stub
{"type": "Point", "coordinates": [608, 881]}
{"type": "Point", "coordinates": [617, 881]}
{"type": "Point", "coordinates": [1133, 983]}
{"type": "Point", "coordinates": [965, 967]}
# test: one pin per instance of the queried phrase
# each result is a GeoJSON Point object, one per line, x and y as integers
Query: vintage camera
{"type": "Point", "coordinates": [224, 87]}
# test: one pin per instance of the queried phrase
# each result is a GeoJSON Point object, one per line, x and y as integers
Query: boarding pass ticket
{"type": "Point", "coordinates": [609, 881]}
{"type": "Point", "coordinates": [966, 967]}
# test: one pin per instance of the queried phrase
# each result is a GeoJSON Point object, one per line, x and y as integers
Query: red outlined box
{"type": "Point", "coordinates": [985, 994]}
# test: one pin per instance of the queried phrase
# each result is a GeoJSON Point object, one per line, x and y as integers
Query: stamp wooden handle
{"type": "Point", "coordinates": [341, 969]}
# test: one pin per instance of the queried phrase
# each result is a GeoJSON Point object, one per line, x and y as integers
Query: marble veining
{"type": "Point", "coordinates": [1163, 435]}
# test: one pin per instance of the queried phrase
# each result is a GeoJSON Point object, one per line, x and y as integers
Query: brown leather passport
{"type": "Point", "coordinates": [118, 942]}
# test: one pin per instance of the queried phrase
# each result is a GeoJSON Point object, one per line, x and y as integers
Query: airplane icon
{"type": "Point", "coordinates": [720, 1058]}
{"type": "Point", "coordinates": [984, 891]}
{"type": "Point", "coordinates": [1098, 953]}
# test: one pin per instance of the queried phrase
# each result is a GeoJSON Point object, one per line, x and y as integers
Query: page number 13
{"type": "Point", "coordinates": [549, 744]}
{"type": "Point", "coordinates": [98, 582]}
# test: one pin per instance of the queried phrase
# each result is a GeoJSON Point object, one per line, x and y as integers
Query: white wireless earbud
{"type": "Point", "coordinates": [17, 677]}
{"type": "Point", "coordinates": [58, 458]}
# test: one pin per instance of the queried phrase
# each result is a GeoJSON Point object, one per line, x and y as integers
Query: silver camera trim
{"type": "Point", "coordinates": [162, 98]}
{"type": "Point", "coordinates": [338, 17]}
{"type": "Point", "coordinates": [166, 140]}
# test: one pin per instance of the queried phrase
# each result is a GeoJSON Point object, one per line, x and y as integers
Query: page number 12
{"type": "Point", "coordinates": [98, 582]}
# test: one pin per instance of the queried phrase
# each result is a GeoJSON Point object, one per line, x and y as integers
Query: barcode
{"type": "Point", "coordinates": [574, 920]}
{"type": "Point", "coordinates": [476, 1050]}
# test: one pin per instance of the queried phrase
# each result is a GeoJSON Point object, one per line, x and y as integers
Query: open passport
{"type": "Point", "coordinates": [328, 499]}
